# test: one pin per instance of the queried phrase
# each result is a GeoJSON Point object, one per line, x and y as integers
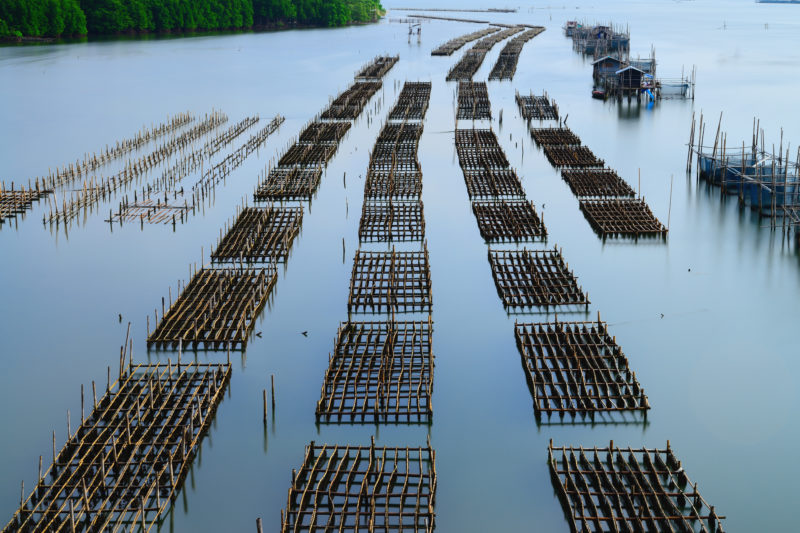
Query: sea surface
{"type": "Point", "coordinates": [708, 319]}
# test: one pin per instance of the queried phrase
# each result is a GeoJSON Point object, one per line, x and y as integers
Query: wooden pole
{"type": "Point", "coordinates": [669, 211]}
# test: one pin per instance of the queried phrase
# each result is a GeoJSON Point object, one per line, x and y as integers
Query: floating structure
{"type": "Point", "coordinates": [469, 64]}
{"type": "Point", "coordinates": [386, 282]}
{"type": "Point", "coordinates": [535, 278]}
{"type": "Point", "coordinates": [493, 183]}
{"type": "Point", "coordinates": [571, 156]}
{"type": "Point", "coordinates": [377, 68]}
{"type": "Point", "coordinates": [561, 135]}
{"type": "Point", "coordinates": [600, 39]}
{"type": "Point", "coordinates": [14, 202]}
{"type": "Point", "coordinates": [288, 183]}
{"type": "Point", "coordinates": [473, 101]}
{"type": "Point", "coordinates": [152, 209]}
{"type": "Point", "coordinates": [577, 368]}
{"type": "Point", "coordinates": [412, 104]}
{"type": "Point", "coordinates": [478, 149]}
{"type": "Point", "coordinates": [352, 488]}
{"type": "Point", "coordinates": [506, 65]}
{"type": "Point", "coordinates": [349, 104]}
{"type": "Point", "coordinates": [622, 216]}
{"type": "Point", "coordinates": [537, 107]}
{"type": "Point", "coordinates": [125, 464]}
{"type": "Point", "coordinates": [225, 138]}
{"type": "Point", "coordinates": [597, 183]}
{"type": "Point", "coordinates": [379, 372]}
{"type": "Point", "coordinates": [452, 45]}
{"type": "Point", "coordinates": [625, 489]}
{"type": "Point", "coordinates": [508, 220]}
{"type": "Point", "coordinates": [260, 235]}
{"type": "Point", "coordinates": [216, 310]}
{"type": "Point", "coordinates": [392, 220]}
{"type": "Point", "coordinates": [383, 184]}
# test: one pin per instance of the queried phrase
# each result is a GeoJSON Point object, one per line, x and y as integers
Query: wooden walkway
{"type": "Point", "coordinates": [125, 464]}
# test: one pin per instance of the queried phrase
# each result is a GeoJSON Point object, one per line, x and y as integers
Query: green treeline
{"type": "Point", "coordinates": [55, 18]}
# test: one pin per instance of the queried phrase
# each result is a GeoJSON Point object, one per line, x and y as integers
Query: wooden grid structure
{"type": "Point", "coordinates": [384, 282]}
{"type": "Point", "coordinates": [260, 234]}
{"type": "Point", "coordinates": [541, 278]}
{"type": "Point", "coordinates": [15, 202]}
{"type": "Point", "coordinates": [571, 156]}
{"type": "Point", "coordinates": [508, 220]}
{"type": "Point", "coordinates": [393, 220]}
{"type": "Point", "coordinates": [308, 154]}
{"type": "Point", "coordinates": [622, 216]}
{"type": "Point", "coordinates": [152, 210]}
{"type": "Point", "coordinates": [625, 489]}
{"type": "Point", "coordinates": [362, 488]}
{"type": "Point", "coordinates": [506, 65]}
{"type": "Point", "coordinates": [216, 309]}
{"type": "Point", "coordinates": [288, 183]}
{"type": "Point", "coordinates": [493, 184]}
{"type": "Point", "coordinates": [577, 368]}
{"type": "Point", "coordinates": [561, 135]}
{"type": "Point", "coordinates": [412, 104]}
{"type": "Point", "coordinates": [125, 464]}
{"type": "Point", "coordinates": [381, 372]}
{"type": "Point", "coordinates": [535, 107]}
{"type": "Point", "coordinates": [467, 66]}
{"type": "Point", "coordinates": [473, 101]}
{"type": "Point", "coordinates": [325, 132]}
{"type": "Point", "coordinates": [352, 101]}
{"type": "Point", "coordinates": [597, 183]}
{"type": "Point", "coordinates": [377, 68]}
{"type": "Point", "coordinates": [393, 183]}
{"type": "Point", "coordinates": [479, 149]}
{"type": "Point", "coordinates": [452, 45]}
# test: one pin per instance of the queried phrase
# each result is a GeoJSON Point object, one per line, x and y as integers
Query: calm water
{"type": "Point", "coordinates": [718, 367]}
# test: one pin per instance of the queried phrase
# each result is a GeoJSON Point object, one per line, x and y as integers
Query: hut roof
{"type": "Point", "coordinates": [629, 68]}
{"type": "Point", "coordinates": [612, 58]}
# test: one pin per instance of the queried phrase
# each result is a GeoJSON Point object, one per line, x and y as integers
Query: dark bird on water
{"type": "Point", "coordinates": [304, 333]}
{"type": "Point", "coordinates": [120, 317]}
{"type": "Point", "coordinates": [662, 315]}
{"type": "Point", "coordinates": [258, 334]}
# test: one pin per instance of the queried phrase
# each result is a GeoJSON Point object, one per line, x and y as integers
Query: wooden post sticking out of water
{"type": "Point", "coordinates": [258, 525]}
{"type": "Point", "coordinates": [265, 405]}
{"type": "Point", "coordinates": [272, 380]}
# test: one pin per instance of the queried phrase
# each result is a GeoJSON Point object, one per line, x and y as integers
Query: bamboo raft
{"type": "Point", "coordinates": [288, 183]}
{"type": "Point", "coordinates": [473, 101]}
{"type": "Point", "coordinates": [324, 132]}
{"type": "Point", "coordinates": [393, 184]}
{"type": "Point", "coordinates": [379, 372]}
{"type": "Point", "coordinates": [508, 220]}
{"type": "Point", "coordinates": [259, 235]}
{"type": "Point", "coordinates": [561, 135]}
{"type": "Point", "coordinates": [537, 107]}
{"type": "Point", "coordinates": [151, 209]}
{"type": "Point", "coordinates": [478, 149]}
{"type": "Point", "coordinates": [447, 49]}
{"type": "Point", "coordinates": [349, 104]}
{"type": "Point", "coordinates": [390, 282]}
{"type": "Point", "coordinates": [493, 184]}
{"type": "Point", "coordinates": [412, 104]}
{"type": "Point", "coordinates": [15, 202]}
{"type": "Point", "coordinates": [216, 309]}
{"type": "Point", "coordinates": [362, 488]}
{"type": "Point", "coordinates": [577, 368]}
{"type": "Point", "coordinates": [391, 221]}
{"type": "Point", "coordinates": [506, 65]}
{"type": "Point", "coordinates": [622, 216]}
{"type": "Point", "coordinates": [472, 59]}
{"type": "Point", "coordinates": [625, 489]}
{"type": "Point", "coordinates": [597, 183]}
{"type": "Point", "coordinates": [539, 278]}
{"type": "Point", "coordinates": [377, 68]}
{"type": "Point", "coordinates": [571, 156]}
{"type": "Point", "coordinates": [126, 462]}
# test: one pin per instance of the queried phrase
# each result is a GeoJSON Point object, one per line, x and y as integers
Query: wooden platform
{"type": "Point", "coordinates": [561, 135]}
{"type": "Point", "coordinates": [216, 309]}
{"type": "Point", "coordinates": [126, 462]}
{"type": "Point", "coordinates": [379, 372]}
{"type": "Point", "coordinates": [527, 278]}
{"type": "Point", "coordinates": [473, 101]}
{"type": "Point", "coordinates": [288, 183]}
{"type": "Point", "coordinates": [386, 282]}
{"type": "Point", "coordinates": [508, 220]}
{"type": "Point", "coordinates": [625, 489]}
{"type": "Point", "coordinates": [577, 368]}
{"type": "Point", "coordinates": [362, 488]}
{"type": "Point", "coordinates": [393, 220]}
{"type": "Point", "coordinates": [377, 68]}
{"type": "Point", "coordinates": [537, 107]}
{"type": "Point", "coordinates": [493, 184]}
{"type": "Point", "coordinates": [259, 234]}
{"type": "Point", "coordinates": [571, 156]}
{"type": "Point", "coordinates": [412, 103]}
{"type": "Point", "coordinates": [621, 217]}
{"type": "Point", "coordinates": [597, 183]}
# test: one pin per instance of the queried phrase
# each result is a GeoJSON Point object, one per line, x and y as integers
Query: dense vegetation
{"type": "Point", "coordinates": [54, 18]}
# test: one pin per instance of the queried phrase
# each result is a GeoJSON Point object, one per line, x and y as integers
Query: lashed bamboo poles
{"type": "Point", "coordinates": [506, 65]}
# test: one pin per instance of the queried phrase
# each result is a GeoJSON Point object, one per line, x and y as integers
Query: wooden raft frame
{"type": "Point", "coordinates": [508, 220]}
{"type": "Point", "coordinates": [571, 156]}
{"type": "Point", "coordinates": [621, 217]}
{"type": "Point", "coordinates": [534, 107]}
{"type": "Point", "coordinates": [561, 135]}
{"type": "Point", "coordinates": [478, 149]}
{"type": "Point", "coordinates": [597, 183]}
{"type": "Point", "coordinates": [362, 488]}
{"type": "Point", "coordinates": [412, 104]}
{"type": "Point", "coordinates": [393, 220]}
{"type": "Point", "coordinates": [625, 489]}
{"type": "Point", "coordinates": [493, 183]}
{"type": "Point", "coordinates": [473, 101]}
{"type": "Point", "coordinates": [383, 282]}
{"type": "Point", "coordinates": [260, 235]}
{"type": "Point", "coordinates": [379, 372]}
{"type": "Point", "coordinates": [126, 463]}
{"type": "Point", "coordinates": [289, 183]}
{"type": "Point", "coordinates": [577, 368]}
